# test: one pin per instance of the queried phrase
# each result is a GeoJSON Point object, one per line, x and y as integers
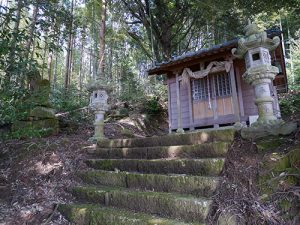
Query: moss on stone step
{"type": "Point", "coordinates": [211, 167]}
{"type": "Point", "coordinates": [280, 170]}
{"type": "Point", "coordinates": [207, 150]}
{"type": "Point", "coordinates": [269, 143]}
{"type": "Point", "coordinates": [186, 208]}
{"type": "Point", "coordinates": [171, 140]}
{"type": "Point", "coordinates": [195, 185]}
{"type": "Point", "coordinates": [41, 112]}
{"type": "Point", "coordinates": [35, 128]}
{"type": "Point", "coordinates": [95, 215]}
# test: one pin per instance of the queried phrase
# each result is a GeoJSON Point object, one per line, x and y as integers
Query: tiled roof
{"type": "Point", "coordinates": [159, 68]}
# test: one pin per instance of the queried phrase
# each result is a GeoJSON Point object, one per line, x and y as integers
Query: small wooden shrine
{"type": "Point", "coordinates": [206, 88]}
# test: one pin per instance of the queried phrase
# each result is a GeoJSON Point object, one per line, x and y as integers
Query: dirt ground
{"type": "Point", "coordinates": [36, 174]}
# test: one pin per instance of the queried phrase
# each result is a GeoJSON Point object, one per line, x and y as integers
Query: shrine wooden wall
{"type": "Point", "coordinates": [184, 103]}
{"type": "Point", "coordinates": [194, 115]}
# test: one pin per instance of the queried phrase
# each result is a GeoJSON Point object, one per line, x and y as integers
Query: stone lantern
{"type": "Point", "coordinates": [99, 105]}
{"type": "Point", "coordinates": [255, 48]}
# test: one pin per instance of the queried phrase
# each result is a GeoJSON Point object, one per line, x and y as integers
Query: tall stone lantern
{"type": "Point", "coordinates": [99, 105]}
{"type": "Point", "coordinates": [255, 48]}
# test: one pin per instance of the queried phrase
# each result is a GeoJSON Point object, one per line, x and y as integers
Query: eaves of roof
{"type": "Point", "coordinates": [163, 67]}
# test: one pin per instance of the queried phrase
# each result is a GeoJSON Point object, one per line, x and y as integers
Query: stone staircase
{"type": "Point", "coordinates": [159, 180]}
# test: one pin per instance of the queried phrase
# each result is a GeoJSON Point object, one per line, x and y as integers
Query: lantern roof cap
{"type": "Point", "coordinates": [254, 38]}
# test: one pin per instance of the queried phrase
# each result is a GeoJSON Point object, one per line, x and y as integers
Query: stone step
{"type": "Point", "coordinates": [170, 140]}
{"type": "Point", "coordinates": [200, 167]}
{"type": "Point", "coordinates": [95, 215]}
{"type": "Point", "coordinates": [182, 207]}
{"type": "Point", "coordinates": [207, 150]}
{"type": "Point", "coordinates": [194, 185]}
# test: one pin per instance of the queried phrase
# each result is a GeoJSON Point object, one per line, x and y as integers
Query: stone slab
{"type": "Point", "coordinates": [95, 215]}
{"type": "Point", "coordinates": [206, 150]}
{"type": "Point", "coordinates": [184, 184]}
{"type": "Point", "coordinates": [186, 208]}
{"type": "Point", "coordinates": [201, 167]}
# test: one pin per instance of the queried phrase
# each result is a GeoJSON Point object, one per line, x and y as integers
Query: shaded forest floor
{"type": "Point", "coordinates": [35, 176]}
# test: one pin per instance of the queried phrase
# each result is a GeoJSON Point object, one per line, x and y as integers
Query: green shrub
{"type": "Point", "coordinates": [12, 105]}
{"type": "Point", "coordinates": [26, 133]}
{"type": "Point", "coordinates": [67, 100]}
{"type": "Point", "coordinates": [124, 112]}
{"type": "Point", "coordinates": [152, 107]}
{"type": "Point", "coordinates": [290, 104]}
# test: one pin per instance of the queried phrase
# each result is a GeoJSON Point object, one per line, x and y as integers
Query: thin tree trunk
{"type": "Point", "coordinates": [110, 62]}
{"type": "Point", "coordinates": [32, 29]}
{"type": "Point", "coordinates": [72, 60]}
{"type": "Point", "coordinates": [45, 53]}
{"type": "Point", "coordinates": [50, 60]}
{"type": "Point", "coordinates": [102, 40]}
{"type": "Point", "coordinates": [81, 59]}
{"type": "Point", "coordinates": [55, 71]}
{"type": "Point", "coordinates": [95, 51]}
{"type": "Point", "coordinates": [68, 57]}
{"type": "Point", "coordinates": [33, 49]}
{"type": "Point", "coordinates": [91, 58]}
{"type": "Point", "coordinates": [13, 42]}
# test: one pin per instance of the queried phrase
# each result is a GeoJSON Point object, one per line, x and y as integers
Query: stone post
{"type": "Point", "coordinates": [255, 48]}
{"type": "Point", "coordinates": [98, 103]}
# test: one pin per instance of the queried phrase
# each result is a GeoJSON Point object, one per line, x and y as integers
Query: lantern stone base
{"type": "Point", "coordinates": [180, 131]}
{"type": "Point", "coordinates": [268, 128]}
{"type": "Point", "coordinates": [99, 130]}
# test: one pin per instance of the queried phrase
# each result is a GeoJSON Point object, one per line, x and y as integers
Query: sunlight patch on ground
{"type": "Point", "coordinates": [45, 168]}
{"type": "Point", "coordinates": [90, 147]}
{"type": "Point", "coordinates": [204, 136]}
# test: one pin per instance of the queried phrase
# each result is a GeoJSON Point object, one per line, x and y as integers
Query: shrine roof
{"type": "Point", "coordinates": [177, 61]}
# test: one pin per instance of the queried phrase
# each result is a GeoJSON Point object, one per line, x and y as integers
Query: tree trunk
{"type": "Point", "coordinates": [95, 46]}
{"type": "Point", "coordinates": [45, 53]}
{"type": "Point", "coordinates": [111, 62]}
{"type": "Point", "coordinates": [91, 58]}
{"type": "Point", "coordinates": [50, 59]}
{"type": "Point", "coordinates": [72, 59]}
{"type": "Point", "coordinates": [32, 29]}
{"type": "Point", "coordinates": [68, 57]}
{"type": "Point", "coordinates": [55, 71]}
{"type": "Point", "coordinates": [81, 58]}
{"type": "Point", "coordinates": [11, 57]}
{"type": "Point", "coordinates": [102, 40]}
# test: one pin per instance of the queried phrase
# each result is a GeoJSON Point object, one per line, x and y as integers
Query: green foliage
{"type": "Point", "coordinates": [67, 100]}
{"type": "Point", "coordinates": [153, 107]}
{"type": "Point", "coordinates": [124, 111]}
{"type": "Point", "coordinates": [12, 105]}
{"type": "Point", "coordinates": [26, 133]}
{"type": "Point", "coordinates": [130, 87]}
{"type": "Point", "coordinates": [290, 104]}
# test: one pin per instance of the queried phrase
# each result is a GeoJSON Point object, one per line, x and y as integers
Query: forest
{"type": "Point", "coordinates": [59, 47]}
{"type": "Point", "coordinates": [71, 42]}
